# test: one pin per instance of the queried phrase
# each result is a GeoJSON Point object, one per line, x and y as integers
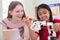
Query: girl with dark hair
{"type": "Point", "coordinates": [44, 13]}
{"type": "Point", "coordinates": [16, 19]}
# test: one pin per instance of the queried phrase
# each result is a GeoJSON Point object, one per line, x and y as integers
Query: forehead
{"type": "Point", "coordinates": [43, 10]}
{"type": "Point", "coordinates": [18, 7]}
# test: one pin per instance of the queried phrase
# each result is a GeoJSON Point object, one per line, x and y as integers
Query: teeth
{"type": "Point", "coordinates": [44, 18]}
{"type": "Point", "coordinates": [18, 16]}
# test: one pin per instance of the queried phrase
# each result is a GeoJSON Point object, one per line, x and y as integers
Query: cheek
{"type": "Point", "coordinates": [22, 13]}
{"type": "Point", "coordinates": [48, 16]}
{"type": "Point", "coordinates": [14, 13]}
{"type": "Point", "coordinates": [40, 17]}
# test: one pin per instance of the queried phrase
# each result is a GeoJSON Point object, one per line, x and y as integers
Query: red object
{"type": "Point", "coordinates": [28, 18]}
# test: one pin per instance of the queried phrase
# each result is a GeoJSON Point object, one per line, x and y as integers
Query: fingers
{"type": "Point", "coordinates": [56, 27]}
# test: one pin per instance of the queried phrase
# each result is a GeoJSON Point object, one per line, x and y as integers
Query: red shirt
{"type": "Point", "coordinates": [45, 34]}
{"type": "Point", "coordinates": [45, 31]}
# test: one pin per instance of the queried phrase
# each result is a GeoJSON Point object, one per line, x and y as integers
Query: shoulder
{"type": "Point", "coordinates": [56, 20]}
{"type": "Point", "coordinates": [5, 21]}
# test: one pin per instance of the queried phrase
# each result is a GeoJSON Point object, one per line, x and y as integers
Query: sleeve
{"type": "Point", "coordinates": [56, 20]}
{"type": "Point", "coordinates": [4, 23]}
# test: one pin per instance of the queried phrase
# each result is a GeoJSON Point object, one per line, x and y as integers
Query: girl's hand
{"type": "Point", "coordinates": [26, 29]}
{"type": "Point", "coordinates": [56, 27]}
{"type": "Point", "coordinates": [28, 21]}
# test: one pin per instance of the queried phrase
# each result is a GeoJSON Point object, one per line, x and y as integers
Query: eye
{"type": "Point", "coordinates": [39, 14]}
{"type": "Point", "coordinates": [17, 11]}
{"type": "Point", "coordinates": [44, 13]}
{"type": "Point", "coordinates": [22, 10]}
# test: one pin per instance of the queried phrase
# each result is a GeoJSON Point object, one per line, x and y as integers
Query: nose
{"type": "Point", "coordinates": [20, 13]}
{"type": "Point", "coordinates": [42, 15]}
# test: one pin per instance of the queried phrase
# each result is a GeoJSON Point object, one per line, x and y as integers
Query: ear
{"type": "Point", "coordinates": [10, 12]}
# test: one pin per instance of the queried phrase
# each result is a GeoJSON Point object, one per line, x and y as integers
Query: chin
{"type": "Point", "coordinates": [18, 19]}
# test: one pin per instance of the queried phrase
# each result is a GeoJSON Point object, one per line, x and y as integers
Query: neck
{"type": "Point", "coordinates": [15, 21]}
{"type": "Point", "coordinates": [48, 21]}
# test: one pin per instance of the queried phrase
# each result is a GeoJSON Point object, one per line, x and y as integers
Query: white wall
{"type": "Point", "coordinates": [0, 10]}
{"type": "Point", "coordinates": [48, 1]}
{"type": "Point", "coordinates": [0, 19]}
{"type": "Point", "coordinates": [29, 8]}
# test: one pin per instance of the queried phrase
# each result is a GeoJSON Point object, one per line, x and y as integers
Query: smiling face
{"type": "Point", "coordinates": [17, 12]}
{"type": "Point", "coordinates": [44, 14]}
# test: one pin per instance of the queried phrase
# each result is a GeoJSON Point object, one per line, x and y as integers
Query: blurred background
{"type": "Point", "coordinates": [0, 19]}
{"type": "Point", "coordinates": [29, 6]}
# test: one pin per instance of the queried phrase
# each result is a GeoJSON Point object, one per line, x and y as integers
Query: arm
{"type": "Point", "coordinates": [4, 28]}
{"type": "Point", "coordinates": [57, 27]}
{"type": "Point", "coordinates": [56, 24]}
{"type": "Point", "coordinates": [26, 33]}
{"type": "Point", "coordinates": [33, 35]}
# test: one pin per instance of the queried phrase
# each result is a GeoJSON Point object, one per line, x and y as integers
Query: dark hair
{"type": "Point", "coordinates": [46, 7]}
{"type": "Point", "coordinates": [12, 5]}
{"type": "Point", "coordinates": [50, 12]}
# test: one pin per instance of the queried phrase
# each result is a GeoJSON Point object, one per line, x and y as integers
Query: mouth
{"type": "Point", "coordinates": [19, 16]}
{"type": "Point", "coordinates": [44, 18]}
